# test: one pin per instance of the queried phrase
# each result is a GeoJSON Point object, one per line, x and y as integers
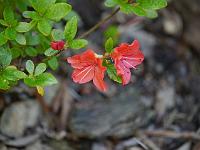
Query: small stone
{"type": "Point", "coordinates": [172, 23]}
{"type": "Point", "coordinates": [19, 116]}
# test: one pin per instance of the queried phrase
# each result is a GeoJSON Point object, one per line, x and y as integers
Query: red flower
{"type": "Point", "coordinates": [126, 57]}
{"type": "Point", "coordinates": [88, 67]}
{"type": "Point", "coordinates": [57, 45]}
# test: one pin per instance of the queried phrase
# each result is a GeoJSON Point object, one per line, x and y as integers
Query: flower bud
{"type": "Point", "coordinates": [57, 45]}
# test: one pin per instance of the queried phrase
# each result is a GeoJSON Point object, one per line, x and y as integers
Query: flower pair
{"type": "Point", "coordinates": [88, 66]}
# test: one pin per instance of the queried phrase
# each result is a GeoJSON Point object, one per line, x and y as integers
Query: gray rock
{"type": "Point", "coordinates": [19, 116]}
{"type": "Point", "coordinates": [38, 146]}
{"type": "Point", "coordinates": [117, 117]}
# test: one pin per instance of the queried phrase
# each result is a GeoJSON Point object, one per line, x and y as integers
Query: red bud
{"type": "Point", "coordinates": [57, 45]}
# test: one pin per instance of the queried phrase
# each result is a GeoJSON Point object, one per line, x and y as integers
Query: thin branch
{"type": "Point", "coordinates": [99, 23]}
{"type": "Point", "coordinates": [172, 134]}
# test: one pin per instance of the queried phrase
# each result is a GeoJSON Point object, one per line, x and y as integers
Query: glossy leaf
{"type": "Point", "coordinates": [5, 57]}
{"type": "Point", "coordinates": [57, 11]}
{"type": "Point", "coordinates": [10, 33]}
{"type": "Point", "coordinates": [3, 39]}
{"type": "Point", "coordinates": [20, 38]}
{"type": "Point", "coordinates": [57, 35]}
{"type": "Point", "coordinates": [53, 63]}
{"type": "Point", "coordinates": [109, 45]}
{"type": "Point", "coordinates": [44, 27]}
{"type": "Point", "coordinates": [8, 15]}
{"type": "Point", "coordinates": [41, 5]}
{"type": "Point", "coordinates": [71, 29]}
{"type": "Point", "coordinates": [111, 71]}
{"type": "Point", "coordinates": [40, 68]}
{"type": "Point", "coordinates": [50, 52]}
{"type": "Point", "coordinates": [78, 43]}
{"type": "Point", "coordinates": [44, 79]}
{"type": "Point", "coordinates": [11, 73]}
{"type": "Point", "coordinates": [30, 66]}
{"type": "Point", "coordinates": [25, 27]}
{"type": "Point", "coordinates": [4, 85]}
{"type": "Point", "coordinates": [30, 51]}
{"type": "Point", "coordinates": [152, 4]}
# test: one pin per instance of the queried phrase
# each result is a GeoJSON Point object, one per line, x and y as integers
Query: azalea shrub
{"type": "Point", "coordinates": [29, 31]}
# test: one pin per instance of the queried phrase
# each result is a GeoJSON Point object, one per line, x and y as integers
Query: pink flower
{"type": "Point", "coordinates": [126, 57]}
{"type": "Point", "coordinates": [88, 67]}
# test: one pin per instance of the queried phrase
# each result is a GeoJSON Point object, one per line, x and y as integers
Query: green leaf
{"type": "Point", "coordinates": [5, 57]}
{"type": "Point", "coordinates": [10, 33]}
{"type": "Point", "coordinates": [25, 27]}
{"type": "Point", "coordinates": [41, 5]}
{"type": "Point", "coordinates": [8, 15]}
{"type": "Point", "coordinates": [40, 68]}
{"type": "Point", "coordinates": [32, 39]}
{"type": "Point", "coordinates": [30, 67]}
{"type": "Point", "coordinates": [124, 6]}
{"type": "Point", "coordinates": [50, 52]}
{"type": "Point", "coordinates": [4, 84]}
{"type": "Point", "coordinates": [11, 73]}
{"type": "Point", "coordinates": [151, 13]}
{"type": "Point", "coordinates": [3, 39]}
{"type": "Point", "coordinates": [78, 43]}
{"type": "Point", "coordinates": [109, 45]}
{"type": "Point", "coordinates": [16, 52]}
{"type": "Point", "coordinates": [53, 63]}
{"type": "Point", "coordinates": [71, 29]}
{"type": "Point", "coordinates": [20, 38]}
{"type": "Point", "coordinates": [44, 27]}
{"type": "Point", "coordinates": [30, 51]}
{"type": "Point", "coordinates": [44, 79]}
{"type": "Point", "coordinates": [112, 32]}
{"type": "Point", "coordinates": [111, 71]}
{"type": "Point", "coordinates": [110, 3]}
{"type": "Point", "coordinates": [57, 34]}
{"type": "Point", "coordinates": [3, 22]}
{"type": "Point", "coordinates": [57, 11]}
{"type": "Point", "coordinates": [138, 10]}
{"type": "Point", "coordinates": [152, 4]}
{"type": "Point", "coordinates": [32, 14]}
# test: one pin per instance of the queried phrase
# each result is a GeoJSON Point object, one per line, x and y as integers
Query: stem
{"type": "Point", "coordinates": [99, 24]}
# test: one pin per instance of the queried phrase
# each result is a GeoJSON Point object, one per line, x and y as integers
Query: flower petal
{"type": "Point", "coordinates": [98, 79]}
{"type": "Point", "coordinates": [80, 61]}
{"type": "Point", "coordinates": [124, 72]}
{"type": "Point", "coordinates": [135, 45]}
{"type": "Point", "coordinates": [83, 75]}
